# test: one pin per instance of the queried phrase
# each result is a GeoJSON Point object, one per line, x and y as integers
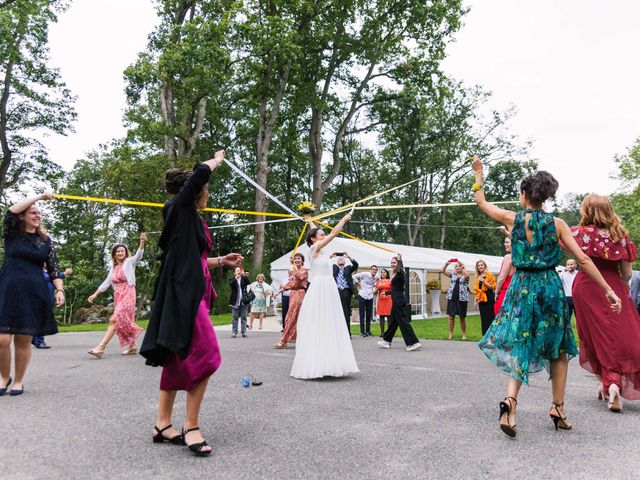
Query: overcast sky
{"type": "Point", "coordinates": [567, 66]}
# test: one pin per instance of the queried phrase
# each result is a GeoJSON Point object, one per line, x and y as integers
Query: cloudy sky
{"type": "Point", "coordinates": [567, 66]}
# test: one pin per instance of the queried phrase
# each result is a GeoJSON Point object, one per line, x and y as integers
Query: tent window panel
{"type": "Point", "coordinates": [415, 293]}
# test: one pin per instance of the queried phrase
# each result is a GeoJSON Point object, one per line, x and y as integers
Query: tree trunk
{"type": "Point", "coordinates": [267, 121]}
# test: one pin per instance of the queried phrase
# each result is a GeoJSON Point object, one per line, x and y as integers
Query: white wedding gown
{"type": "Point", "coordinates": [323, 346]}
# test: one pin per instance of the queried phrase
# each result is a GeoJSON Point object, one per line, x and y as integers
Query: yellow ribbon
{"type": "Point", "coordinates": [304, 229]}
{"type": "Point", "coordinates": [344, 208]}
{"type": "Point", "coordinates": [358, 239]}
{"type": "Point", "coordinates": [152, 204]}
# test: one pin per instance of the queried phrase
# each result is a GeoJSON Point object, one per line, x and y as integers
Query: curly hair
{"type": "Point", "coordinates": [539, 187]}
{"type": "Point", "coordinates": [174, 179]}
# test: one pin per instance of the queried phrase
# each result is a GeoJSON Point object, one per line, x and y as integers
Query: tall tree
{"type": "Point", "coordinates": [33, 97]}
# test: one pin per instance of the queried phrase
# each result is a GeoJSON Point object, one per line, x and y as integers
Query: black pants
{"type": "Point", "coordinates": [572, 310]}
{"type": "Point", "coordinates": [486, 311]}
{"type": "Point", "coordinates": [366, 314]}
{"type": "Point", "coordinates": [345, 299]}
{"type": "Point", "coordinates": [400, 317]}
{"type": "Point", "coordinates": [285, 308]}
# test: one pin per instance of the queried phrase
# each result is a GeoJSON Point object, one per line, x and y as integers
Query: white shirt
{"type": "Point", "coordinates": [367, 283]}
{"type": "Point", "coordinates": [567, 281]}
{"type": "Point", "coordinates": [129, 267]}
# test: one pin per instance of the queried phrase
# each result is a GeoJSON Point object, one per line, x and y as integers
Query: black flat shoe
{"type": "Point", "coordinates": [14, 392]}
{"type": "Point", "coordinates": [196, 448]}
{"type": "Point", "coordinates": [160, 438]}
{"type": "Point", "coordinates": [3, 390]}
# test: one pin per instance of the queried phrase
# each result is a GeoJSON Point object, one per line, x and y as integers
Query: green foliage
{"type": "Point", "coordinates": [433, 284]}
{"type": "Point", "coordinates": [33, 98]}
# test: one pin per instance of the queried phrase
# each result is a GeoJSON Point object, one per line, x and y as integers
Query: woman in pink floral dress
{"type": "Point", "coordinates": [122, 277]}
{"type": "Point", "coordinates": [298, 283]}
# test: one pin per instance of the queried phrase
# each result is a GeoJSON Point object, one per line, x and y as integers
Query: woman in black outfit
{"type": "Point", "coordinates": [25, 301]}
{"type": "Point", "coordinates": [400, 310]}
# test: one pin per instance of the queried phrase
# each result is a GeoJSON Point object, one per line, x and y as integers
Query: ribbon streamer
{"type": "Point", "coordinates": [344, 208]}
{"type": "Point", "coordinates": [160, 205]}
{"type": "Point", "coordinates": [252, 182]}
{"type": "Point", "coordinates": [356, 238]}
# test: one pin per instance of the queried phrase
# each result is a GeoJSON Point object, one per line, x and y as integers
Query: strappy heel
{"type": "Point", "coordinates": [559, 421]}
{"type": "Point", "coordinates": [196, 448]}
{"type": "Point", "coordinates": [98, 351]}
{"type": "Point", "coordinates": [615, 404]}
{"type": "Point", "coordinates": [505, 409]}
{"type": "Point", "coordinates": [160, 438]}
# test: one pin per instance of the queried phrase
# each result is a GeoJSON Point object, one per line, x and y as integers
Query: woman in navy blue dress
{"type": "Point", "coordinates": [26, 248]}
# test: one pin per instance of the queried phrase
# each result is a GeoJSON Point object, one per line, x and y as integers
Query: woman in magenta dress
{"type": "Point", "coordinates": [298, 282]}
{"type": "Point", "coordinates": [122, 277]}
{"type": "Point", "coordinates": [180, 336]}
{"type": "Point", "coordinates": [609, 342]}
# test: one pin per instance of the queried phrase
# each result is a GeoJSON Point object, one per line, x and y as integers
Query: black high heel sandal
{"type": "Point", "coordinates": [505, 409]}
{"type": "Point", "coordinates": [196, 448]}
{"type": "Point", "coordinates": [559, 421]}
{"type": "Point", "coordinates": [160, 438]}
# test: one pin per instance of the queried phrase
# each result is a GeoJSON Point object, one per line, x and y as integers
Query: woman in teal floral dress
{"type": "Point", "coordinates": [532, 331]}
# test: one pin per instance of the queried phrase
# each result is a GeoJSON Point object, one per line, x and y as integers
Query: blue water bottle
{"type": "Point", "coordinates": [246, 382]}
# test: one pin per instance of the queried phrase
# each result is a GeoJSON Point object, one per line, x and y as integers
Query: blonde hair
{"type": "Point", "coordinates": [486, 269]}
{"type": "Point", "coordinates": [41, 230]}
{"type": "Point", "coordinates": [597, 210]}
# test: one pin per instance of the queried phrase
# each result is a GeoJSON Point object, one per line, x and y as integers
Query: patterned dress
{"type": "Point", "coordinates": [533, 326]}
{"type": "Point", "coordinates": [124, 314]}
{"type": "Point", "coordinates": [261, 291]}
{"type": "Point", "coordinates": [609, 341]}
{"type": "Point", "coordinates": [298, 282]}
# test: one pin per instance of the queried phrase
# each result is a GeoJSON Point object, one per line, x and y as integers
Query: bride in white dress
{"type": "Point", "coordinates": [323, 346]}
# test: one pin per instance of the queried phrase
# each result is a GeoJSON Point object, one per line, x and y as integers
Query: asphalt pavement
{"type": "Point", "coordinates": [429, 414]}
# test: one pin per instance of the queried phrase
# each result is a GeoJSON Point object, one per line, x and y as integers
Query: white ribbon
{"type": "Point", "coordinates": [242, 174]}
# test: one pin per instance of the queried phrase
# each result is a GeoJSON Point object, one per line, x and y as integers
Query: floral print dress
{"type": "Point", "coordinates": [533, 326]}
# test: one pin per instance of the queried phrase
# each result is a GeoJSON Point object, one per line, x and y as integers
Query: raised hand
{"type": "Point", "coordinates": [143, 237]}
{"type": "Point", "coordinates": [46, 196]}
{"type": "Point", "coordinates": [476, 164]}
{"type": "Point", "coordinates": [232, 259]}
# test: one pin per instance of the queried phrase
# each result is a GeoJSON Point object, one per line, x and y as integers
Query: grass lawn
{"type": "Point", "coordinates": [438, 329]}
{"type": "Point", "coordinates": [223, 319]}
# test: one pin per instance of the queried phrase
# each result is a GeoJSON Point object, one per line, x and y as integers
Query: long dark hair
{"type": "Point", "coordinates": [312, 234]}
{"type": "Point", "coordinates": [174, 179]}
{"type": "Point", "coordinates": [385, 271]}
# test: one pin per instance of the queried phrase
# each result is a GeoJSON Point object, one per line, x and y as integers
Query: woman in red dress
{"type": "Point", "coordinates": [298, 283]}
{"type": "Point", "coordinates": [504, 277]}
{"type": "Point", "coordinates": [609, 342]}
{"type": "Point", "coordinates": [383, 307]}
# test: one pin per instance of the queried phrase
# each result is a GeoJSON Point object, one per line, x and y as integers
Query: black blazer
{"type": "Point", "coordinates": [348, 272]}
{"type": "Point", "coordinates": [397, 287]}
{"type": "Point", "coordinates": [233, 283]}
{"type": "Point", "coordinates": [180, 285]}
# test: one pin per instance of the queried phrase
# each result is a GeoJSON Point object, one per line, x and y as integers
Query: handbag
{"type": "Point", "coordinates": [248, 297]}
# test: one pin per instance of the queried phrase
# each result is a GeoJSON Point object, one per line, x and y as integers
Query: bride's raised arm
{"type": "Point", "coordinates": [333, 234]}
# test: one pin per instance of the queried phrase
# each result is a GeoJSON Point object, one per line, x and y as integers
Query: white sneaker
{"type": "Point", "coordinates": [384, 344]}
{"type": "Point", "coordinates": [413, 347]}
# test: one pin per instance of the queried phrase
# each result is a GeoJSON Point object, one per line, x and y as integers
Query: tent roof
{"type": "Point", "coordinates": [429, 259]}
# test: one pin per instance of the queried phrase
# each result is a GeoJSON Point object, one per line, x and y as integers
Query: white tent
{"type": "Point", "coordinates": [424, 264]}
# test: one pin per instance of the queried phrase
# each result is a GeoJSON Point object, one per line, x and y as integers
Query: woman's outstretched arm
{"type": "Point", "coordinates": [501, 215]}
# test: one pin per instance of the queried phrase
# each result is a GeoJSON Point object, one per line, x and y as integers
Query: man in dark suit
{"type": "Point", "coordinates": [342, 274]}
{"type": "Point", "coordinates": [238, 284]}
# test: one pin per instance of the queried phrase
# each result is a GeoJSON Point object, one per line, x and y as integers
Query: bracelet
{"type": "Point", "coordinates": [60, 290]}
{"type": "Point", "coordinates": [219, 261]}
{"type": "Point", "coordinates": [476, 187]}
